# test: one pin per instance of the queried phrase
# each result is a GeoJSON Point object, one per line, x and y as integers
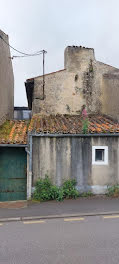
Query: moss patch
{"type": "Point", "coordinates": [5, 130]}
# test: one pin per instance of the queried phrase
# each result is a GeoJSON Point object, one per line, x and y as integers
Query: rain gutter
{"type": "Point", "coordinates": [29, 164]}
{"type": "Point", "coordinates": [74, 135]}
{"type": "Point", "coordinates": [13, 145]}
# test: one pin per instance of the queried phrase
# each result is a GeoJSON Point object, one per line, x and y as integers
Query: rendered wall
{"type": "Point", "coordinates": [103, 175]}
{"type": "Point", "coordinates": [110, 95]}
{"type": "Point", "coordinates": [6, 81]}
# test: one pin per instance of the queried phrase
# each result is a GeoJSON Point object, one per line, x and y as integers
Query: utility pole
{"type": "Point", "coordinates": [44, 52]}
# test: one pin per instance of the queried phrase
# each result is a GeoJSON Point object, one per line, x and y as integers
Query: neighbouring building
{"type": "Point", "coordinates": [6, 80]}
{"type": "Point", "coordinates": [22, 113]}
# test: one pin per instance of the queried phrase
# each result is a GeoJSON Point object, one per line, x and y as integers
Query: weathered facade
{"type": "Point", "coordinates": [6, 80]}
{"type": "Point", "coordinates": [84, 81]}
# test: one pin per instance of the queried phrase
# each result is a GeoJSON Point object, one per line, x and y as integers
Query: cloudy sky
{"type": "Point", "coordinates": [34, 25]}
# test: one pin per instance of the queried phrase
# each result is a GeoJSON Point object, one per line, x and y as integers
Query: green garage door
{"type": "Point", "coordinates": [13, 180]}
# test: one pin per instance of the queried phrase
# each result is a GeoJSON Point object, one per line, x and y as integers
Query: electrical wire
{"type": "Point", "coordinates": [31, 55]}
{"type": "Point", "coordinates": [25, 54]}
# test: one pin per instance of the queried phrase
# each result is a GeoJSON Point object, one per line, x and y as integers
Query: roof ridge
{"type": "Point", "coordinates": [31, 79]}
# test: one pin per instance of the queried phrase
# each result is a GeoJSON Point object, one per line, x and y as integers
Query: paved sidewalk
{"type": "Point", "coordinates": [94, 205]}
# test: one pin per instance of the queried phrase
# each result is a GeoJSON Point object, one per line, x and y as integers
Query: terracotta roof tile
{"type": "Point", "coordinates": [72, 124]}
{"type": "Point", "coordinates": [15, 132]}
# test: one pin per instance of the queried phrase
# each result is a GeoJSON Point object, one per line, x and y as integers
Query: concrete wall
{"type": "Point", "coordinates": [6, 81]}
{"type": "Point", "coordinates": [81, 83]}
{"type": "Point", "coordinates": [63, 158]}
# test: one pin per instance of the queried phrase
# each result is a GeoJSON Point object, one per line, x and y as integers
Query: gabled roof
{"type": "Point", "coordinates": [29, 84]}
{"type": "Point", "coordinates": [15, 132]}
{"type": "Point", "coordinates": [46, 74]}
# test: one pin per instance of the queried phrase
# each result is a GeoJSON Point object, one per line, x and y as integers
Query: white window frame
{"type": "Point", "coordinates": [105, 162]}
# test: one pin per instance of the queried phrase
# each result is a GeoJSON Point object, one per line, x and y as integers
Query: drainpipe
{"type": "Point", "coordinates": [29, 167]}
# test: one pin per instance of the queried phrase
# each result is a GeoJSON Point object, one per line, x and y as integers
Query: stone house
{"type": "Point", "coordinates": [6, 79]}
{"type": "Point", "coordinates": [57, 144]}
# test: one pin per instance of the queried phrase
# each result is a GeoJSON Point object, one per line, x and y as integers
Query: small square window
{"type": "Point", "coordinates": [100, 155]}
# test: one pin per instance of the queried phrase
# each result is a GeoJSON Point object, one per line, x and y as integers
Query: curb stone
{"type": "Point", "coordinates": [10, 219]}
{"type": "Point", "coordinates": [23, 218]}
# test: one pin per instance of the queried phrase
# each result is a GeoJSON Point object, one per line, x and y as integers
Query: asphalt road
{"type": "Point", "coordinates": [89, 240]}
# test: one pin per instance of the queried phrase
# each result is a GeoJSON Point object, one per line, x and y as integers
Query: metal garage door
{"type": "Point", "coordinates": [13, 178]}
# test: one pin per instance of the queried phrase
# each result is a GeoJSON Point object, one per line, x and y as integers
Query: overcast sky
{"type": "Point", "coordinates": [52, 25]}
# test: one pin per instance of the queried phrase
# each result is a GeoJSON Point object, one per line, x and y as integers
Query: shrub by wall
{"type": "Point", "coordinates": [45, 190]}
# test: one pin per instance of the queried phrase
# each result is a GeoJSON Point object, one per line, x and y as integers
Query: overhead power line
{"type": "Point", "coordinates": [24, 56]}
{"type": "Point", "coordinates": [23, 53]}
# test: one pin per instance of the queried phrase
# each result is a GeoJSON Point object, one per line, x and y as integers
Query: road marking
{"type": "Point", "coordinates": [73, 219]}
{"type": "Point", "coordinates": [111, 216]}
{"type": "Point", "coordinates": [34, 222]}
